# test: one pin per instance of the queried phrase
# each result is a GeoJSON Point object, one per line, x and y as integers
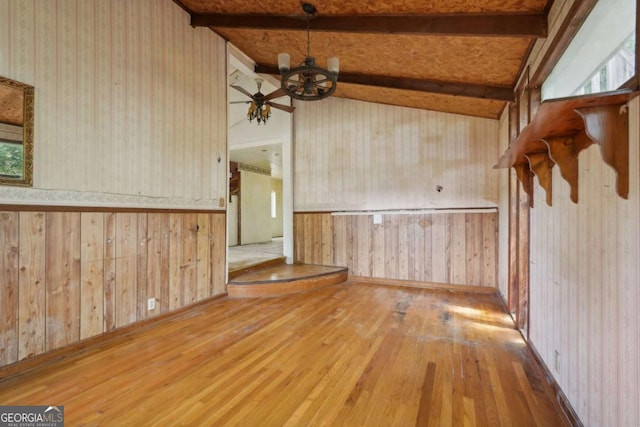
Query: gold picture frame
{"type": "Point", "coordinates": [16, 111]}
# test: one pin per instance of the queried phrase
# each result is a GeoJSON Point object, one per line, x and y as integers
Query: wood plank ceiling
{"type": "Point", "coordinates": [458, 56]}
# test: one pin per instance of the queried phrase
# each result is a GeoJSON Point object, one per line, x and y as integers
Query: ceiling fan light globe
{"type": "Point", "coordinates": [284, 62]}
{"type": "Point", "coordinates": [333, 65]}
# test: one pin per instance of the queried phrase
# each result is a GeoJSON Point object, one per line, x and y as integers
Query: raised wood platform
{"type": "Point", "coordinates": [285, 279]}
{"type": "Point", "coordinates": [253, 267]}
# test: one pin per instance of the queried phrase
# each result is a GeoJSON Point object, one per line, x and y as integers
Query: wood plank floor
{"type": "Point", "coordinates": [353, 354]}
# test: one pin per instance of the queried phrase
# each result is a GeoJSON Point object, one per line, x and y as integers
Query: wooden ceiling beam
{"type": "Point", "coordinates": [511, 25]}
{"type": "Point", "coordinates": [498, 93]}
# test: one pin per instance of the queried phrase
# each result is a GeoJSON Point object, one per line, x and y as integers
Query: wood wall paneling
{"type": "Point", "coordinates": [218, 252]}
{"type": "Point", "coordinates": [203, 256]}
{"type": "Point", "coordinates": [9, 235]}
{"type": "Point", "coordinates": [126, 297]}
{"type": "Point", "coordinates": [490, 248]}
{"type": "Point", "coordinates": [32, 292]}
{"type": "Point", "coordinates": [458, 248]}
{"type": "Point", "coordinates": [176, 299]}
{"type": "Point", "coordinates": [69, 276]}
{"type": "Point", "coordinates": [188, 263]}
{"type": "Point", "coordinates": [142, 260]}
{"type": "Point", "coordinates": [157, 262]}
{"type": "Point", "coordinates": [440, 250]}
{"type": "Point", "coordinates": [92, 274]}
{"type": "Point", "coordinates": [109, 271]}
{"type": "Point", "coordinates": [62, 263]}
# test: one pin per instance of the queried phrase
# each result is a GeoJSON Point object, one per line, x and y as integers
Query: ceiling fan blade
{"type": "Point", "coordinates": [282, 107]}
{"type": "Point", "coordinates": [275, 94]}
{"type": "Point", "coordinates": [243, 90]}
{"type": "Point", "coordinates": [239, 102]}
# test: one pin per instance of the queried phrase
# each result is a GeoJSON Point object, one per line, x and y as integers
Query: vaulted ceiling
{"type": "Point", "coordinates": [458, 56]}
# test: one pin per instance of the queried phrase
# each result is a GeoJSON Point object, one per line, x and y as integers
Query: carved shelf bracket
{"type": "Point", "coordinates": [608, 126]}
{"type": "Point", "coordinates": [564, 152]}
{"type": "Point", "coordinates": [561, 129]}
{"type": "Point", "coordinates": [541, 165]}
{"type": "Point", "coordinates": [525, 176]}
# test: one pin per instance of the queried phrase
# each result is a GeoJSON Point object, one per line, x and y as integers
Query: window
{"type": "Point", "coordinates": [601, 56]}
{"type": "Point", "coordinates": [274, 207]}
{"type": "Point", "coordinates": [11, 159]}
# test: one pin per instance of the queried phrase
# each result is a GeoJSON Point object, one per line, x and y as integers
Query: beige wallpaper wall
{"type": "Point", "coordinates": [584, 294]}
{"type": "Point", "coordinates": [276, 223]}
{"type": "Point", "coordinates": [255, 208]}
{"type": "Point", "coordinates": [352, 155]}
{"type": "Point", "coordinates": [130, 102]}
{"type": "Point", "coordinates": [584, 306]}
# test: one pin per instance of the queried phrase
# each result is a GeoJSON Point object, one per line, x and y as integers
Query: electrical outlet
{"type": "Point", "coordinates": [151, 304]}
{"type": "Point", "coordinates": [556, 361]}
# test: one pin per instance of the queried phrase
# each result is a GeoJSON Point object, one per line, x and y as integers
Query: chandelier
{"type": "Point", "coordinates": [261, 113]}
{"type": "Point", "coordinates": [308, 82]}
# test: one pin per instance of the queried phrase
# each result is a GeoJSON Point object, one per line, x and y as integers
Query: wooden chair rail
{"type": "Point", "coordinates": [561, 129]}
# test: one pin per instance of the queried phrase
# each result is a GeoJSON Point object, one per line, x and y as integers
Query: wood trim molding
{"type": "Point", "coordinates": [557, 394]}
{"type": "Point", "coordinates": [62, 208]}
{"type": "Point", "coordinates": [97, 342]}
{"type": "Point", "coordinates": [254, 169]}
{"type": "Point", "coordinates": [570, 26]}
{"type": "Point", "coordinates": [512, 25]}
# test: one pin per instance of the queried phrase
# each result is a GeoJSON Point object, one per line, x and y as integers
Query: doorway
{"type": "Point", "coordinates": [260, 171]}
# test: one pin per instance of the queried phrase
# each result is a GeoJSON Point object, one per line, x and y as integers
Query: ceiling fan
{"type": "Point", "coordinates": [260, 104]}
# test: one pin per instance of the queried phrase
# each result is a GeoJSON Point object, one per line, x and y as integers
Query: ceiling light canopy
{"type": "Point", "coordinates": [308, 82]}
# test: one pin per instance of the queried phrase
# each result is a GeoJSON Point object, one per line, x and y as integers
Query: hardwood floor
{"type": "Point", "coordinates": [244, 256]}
{"type": "Point", "coordinates": [353, 354]}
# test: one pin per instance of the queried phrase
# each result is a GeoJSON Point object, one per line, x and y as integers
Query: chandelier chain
{"type": "Point", "coordinates": [308, 35]}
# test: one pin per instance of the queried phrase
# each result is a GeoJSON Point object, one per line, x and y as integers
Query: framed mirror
{"type": "Point", "coordinates": [16, 133]}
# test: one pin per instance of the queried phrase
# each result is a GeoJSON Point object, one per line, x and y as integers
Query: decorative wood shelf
{"type": "Point", "coordinates": [561, 129]}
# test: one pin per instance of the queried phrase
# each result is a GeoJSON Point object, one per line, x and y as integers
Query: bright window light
{"type": "Point", "coordinates": [601, 56]}
{"type": "Point", "coordinates": [274, 210]}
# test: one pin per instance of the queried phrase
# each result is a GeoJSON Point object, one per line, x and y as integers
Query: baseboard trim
{"type": "Point", "coordinates": [425, 285]}
{"type": "Point", "coordinates": [558, 395]}
{"type": "Point", "coordinates": [26, 365]}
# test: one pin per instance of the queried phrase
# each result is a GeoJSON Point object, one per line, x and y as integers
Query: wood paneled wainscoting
{"type": "Point", "coordinates": [453, 247]}
{"type": "Point", "coordinates": [70, 274]}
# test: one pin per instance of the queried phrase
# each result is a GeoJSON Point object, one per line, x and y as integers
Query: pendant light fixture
{"type": "Point", "coordinates": [308, 82]}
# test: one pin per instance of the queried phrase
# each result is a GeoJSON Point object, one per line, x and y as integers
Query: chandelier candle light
{"type": "Point", "coordinates": [308, 82]}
